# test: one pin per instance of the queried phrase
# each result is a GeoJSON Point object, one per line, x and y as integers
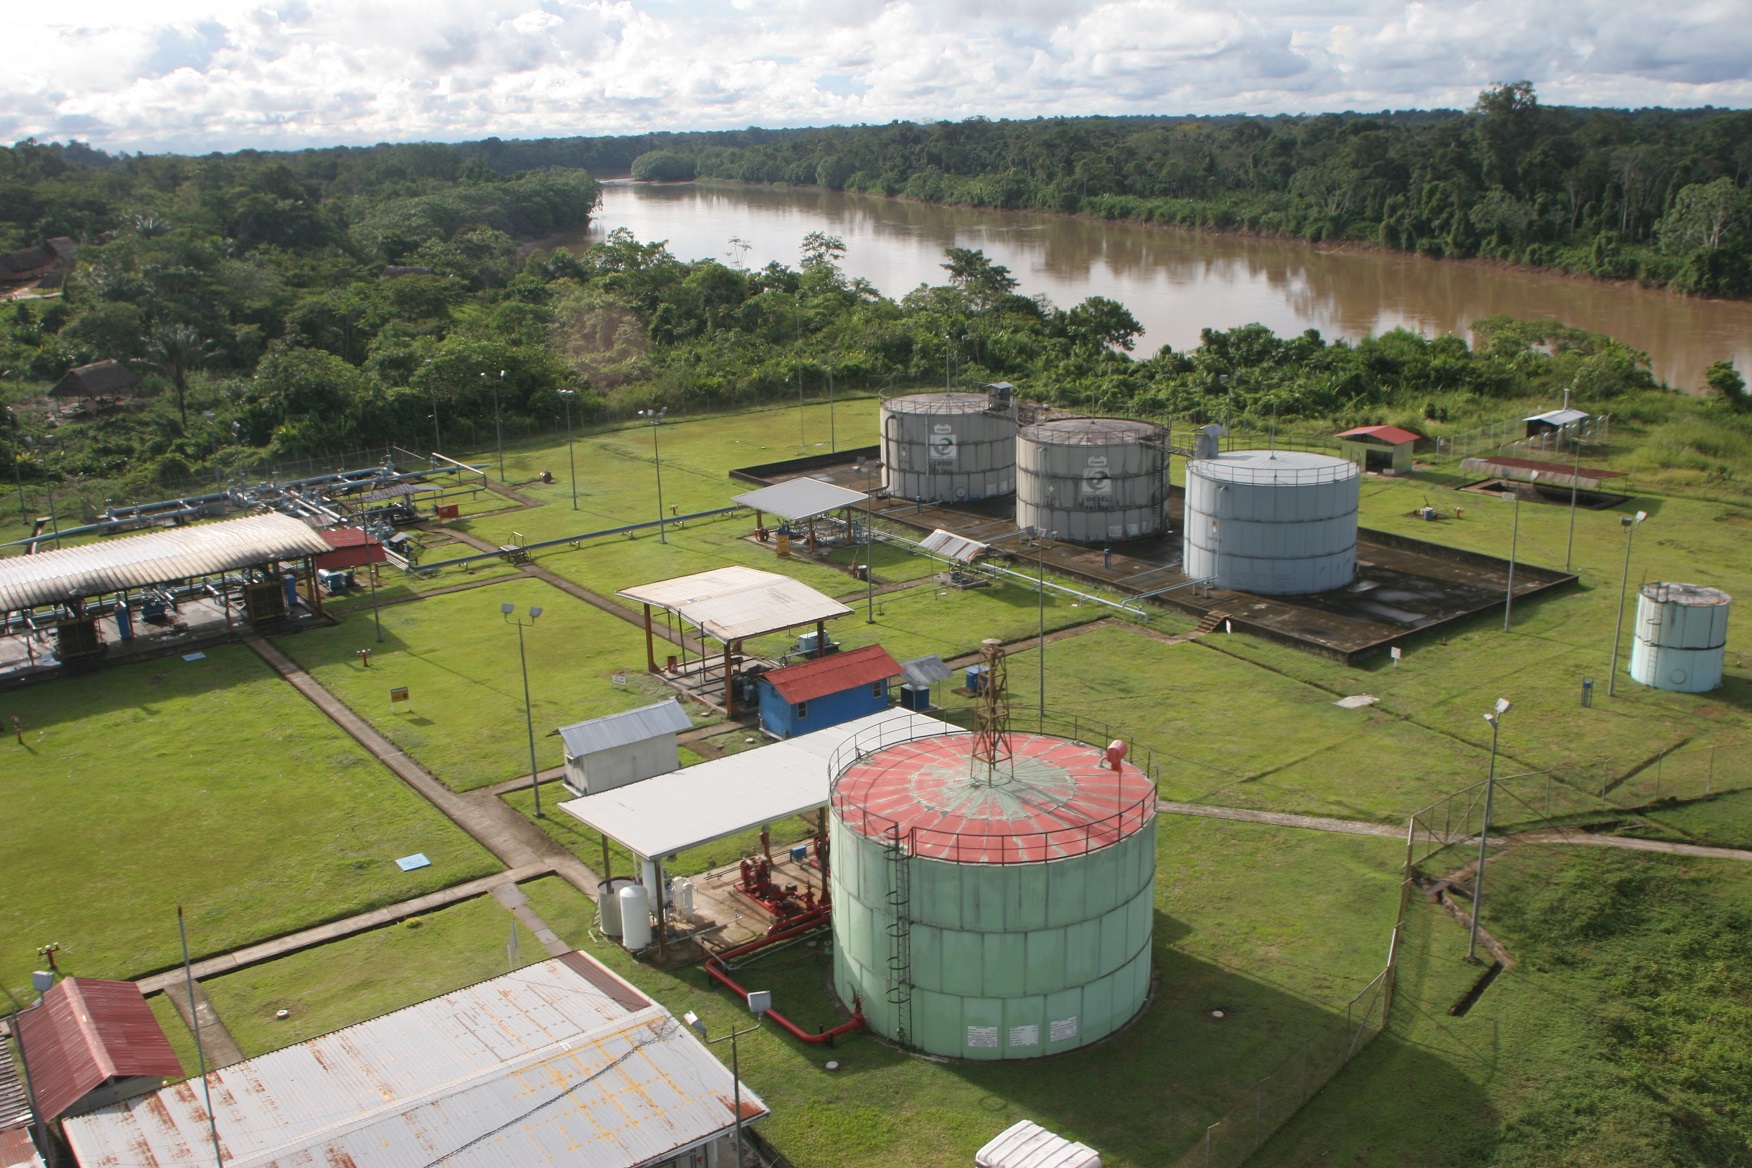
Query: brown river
{"type": "Point", "coordinates": [1174, 282]}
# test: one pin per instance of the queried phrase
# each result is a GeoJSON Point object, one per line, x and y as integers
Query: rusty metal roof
{"type": "Point", "coordinates": [17, 1150]}
{"type": "Point", "coordinates": [14, 1099]}
{"type": "Point", "coordinates": [560, 1062]}
{"type": "Point", "coordinates": [86, 1032]}
{"type": "Point", "coordinates": [157, 557]}
{"type": "Point", "coordinates": [729, 604]}
{"type": "Point", "coordinates": [834, 673]}
{"type": "Point", "coordinates": [1392, 435]}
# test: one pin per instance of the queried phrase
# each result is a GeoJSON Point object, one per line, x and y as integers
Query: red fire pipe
{"type": "Point", "coordinates": [805, 924]}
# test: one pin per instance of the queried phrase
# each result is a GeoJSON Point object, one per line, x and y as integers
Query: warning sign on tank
{"type": "Point", "coordinates": [1028, 1035]}
{"type": "Point", "coordinates": [982, 1036]}
{"type": "Point", "coordinates": [1097, 485]}
{"type": "Point", "coordinates": [941, 446]}
{"type": "Point", "coordinates": [1062, 1029]}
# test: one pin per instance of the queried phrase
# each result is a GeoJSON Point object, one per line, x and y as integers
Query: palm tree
{"type": "Point", "coordinates": [176, 349]}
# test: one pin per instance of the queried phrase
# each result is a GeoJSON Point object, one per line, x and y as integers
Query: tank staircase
{"type": "Point", "coordinates": [1212, 619]}
{"type": "Point", "coordinates": [899, 901]}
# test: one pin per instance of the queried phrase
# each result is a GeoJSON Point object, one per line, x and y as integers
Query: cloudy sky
{"type": "Point", "coordinates": [221, 74]}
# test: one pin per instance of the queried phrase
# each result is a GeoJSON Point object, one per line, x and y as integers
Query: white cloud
{"type": "Point", "coordinates": [217, 74]}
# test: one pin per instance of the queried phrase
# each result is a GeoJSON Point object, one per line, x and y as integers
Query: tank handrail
{"type": "Point", "coordinates": [1273, 476]}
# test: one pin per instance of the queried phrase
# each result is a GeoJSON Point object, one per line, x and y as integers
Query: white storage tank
{"type": "Point", "coordinates": [1681, 637]}
{"type": "Point", "coordinates": [948, 447]}
{"type": "Point", "coordinates": [1274, 522]}
{"type": "Point", "coordinates": [635, 917]}
{"type": "Point", "coordinates": [1092, 480]}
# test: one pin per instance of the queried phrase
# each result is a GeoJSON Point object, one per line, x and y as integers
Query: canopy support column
{"type": "Point", "coordinates": [729, 682]}
{"type": "Point", "coordinates": [650, 647]}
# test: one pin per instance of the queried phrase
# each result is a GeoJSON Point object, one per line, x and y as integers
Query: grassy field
{"type": "Point", "coordinates": [1618, 1038]}
{"type": "Point", "coordinates": [368, 974]}
{"type": "Point", "coordinates": [458, 657]}
{"type": "Point", "coordinates": [1276, 966]}
{"type": "Point", "coordinates": [210, 783]}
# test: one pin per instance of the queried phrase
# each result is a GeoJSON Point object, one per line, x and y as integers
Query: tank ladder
{"type": "Point", "coordinates": [899, 902]}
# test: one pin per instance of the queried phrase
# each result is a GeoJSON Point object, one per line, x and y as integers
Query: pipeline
{"type": "Point", "coordinates": [793, 929]}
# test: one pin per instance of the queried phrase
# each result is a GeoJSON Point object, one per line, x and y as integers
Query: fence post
{"type": "Point", "coordinates": [1709, 781]}
{"type": "Point", "coordinates": [1660, 761]}
{"type": "Point", "coordinates": [1208, 1132]}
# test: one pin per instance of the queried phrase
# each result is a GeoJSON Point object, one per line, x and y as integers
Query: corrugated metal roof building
{"type": "Point", "coordinates": [824, 692]}
{"type": "Point", "coordinates": [90, 1042]}
{"type": "Point", "coordinates": [560, 1062]}
{"type": "Point", "coordinates": [609, 752]}
{"type": "Point", "coordinates": [1382, 449]}
{"type": "Point", "coordinates": [156, 557]}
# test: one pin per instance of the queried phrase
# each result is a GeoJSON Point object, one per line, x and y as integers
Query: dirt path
{"type": "Point", "coordinates": [1283, 819]}
{"type": "Point", "coordinates": [1631, 844]}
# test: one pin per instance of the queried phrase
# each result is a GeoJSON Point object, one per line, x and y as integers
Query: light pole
{"type": "Point", "coordinates": [17, 461]}
{"type": "Point", "coordinates": [1575, 473]}
{"type": "Point", "coordinates": [869, 547]}
{"type": "Point", "coordinates": [655, 417]}
{"type": "Point", "coordinates": [569, 396]}
{"type": "Point", "coordinates": [505, 610]}
{"type": "Point", "coordinates": [498, 424]}
{"type": "Point", "coordinates": [1040, 559]}
{"type": "Point", "coordinates": [1495, 718]}
{"type": "Point", "coordinates": [1514, 542]}
{"type": "Point", "coordinates": [759, 1002]}
{"type": "Point", "coordinates": [1630, 525]}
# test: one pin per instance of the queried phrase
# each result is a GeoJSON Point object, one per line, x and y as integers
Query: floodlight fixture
{"type": "Point", "coordinates": [760, 1001]}
{"type": "Point", "coordinates": [507, 608]}
{"type": "Point", "coordinates": [534, 611]}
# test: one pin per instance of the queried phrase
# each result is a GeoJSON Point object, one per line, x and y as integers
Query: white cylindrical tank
{"type": "Point", "coordinates": [948, 447]}
{"type": "Point", "coordinates": [1092, 480]}
{"type": "Point", "coordinates": [1272, 522]}
{"type": "Point", "coordinates": [1681, 637]}
{"type": "Point", "coordinates": [635, 917]}
{"type": "Point", "coordinates": [608, 904]}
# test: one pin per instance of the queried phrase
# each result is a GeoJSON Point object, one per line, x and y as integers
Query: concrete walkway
{"type": "Point", "coordinates": [1631, 844]}
{"type": "Point", "coordinates": [172, 979]}
{"type": "Point", "coordinates": [220, 1049]}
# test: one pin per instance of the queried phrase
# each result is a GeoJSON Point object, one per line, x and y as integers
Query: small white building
{"type": "Point", "coordinates": [610, 752]}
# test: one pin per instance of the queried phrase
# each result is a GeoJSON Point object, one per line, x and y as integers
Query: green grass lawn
{"type": "Point", "coordinates": [1278, 966]}
{"type": "Point", "coordinates": [368, 974]}
{"type": "Point", "coordinates": [210, 783]}
{"type": "Point", "coordinates": [459, 659]}
{"type": "Point", "coordinates": [1618, 1038]}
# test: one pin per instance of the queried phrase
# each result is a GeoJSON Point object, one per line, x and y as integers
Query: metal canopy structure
{"type": "Point", "coordinates": [801, 498]}
{"type": "Point", "coordinates": [732, 604]}
{"type": "Point", "coordinates": [950, 546]}
{"type": "Point", "coordinates": [926, 670]}
{"type": "Point", "coordinates": [558, 1062]}
{"type": "Point", "coordinates": [711, 800]}
{"type": "Point", "coordinates": [157, 557]}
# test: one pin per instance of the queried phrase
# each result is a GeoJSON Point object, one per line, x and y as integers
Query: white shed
{"type": "Point", "coordinates": [610, 752]}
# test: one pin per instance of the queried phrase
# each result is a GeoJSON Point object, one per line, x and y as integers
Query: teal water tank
{"type": "Point", "coordinates": [993, 911]}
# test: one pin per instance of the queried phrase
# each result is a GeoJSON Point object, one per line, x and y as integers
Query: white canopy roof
{"type": "Point", "coordinates": [729, 604]}
{"type": "Point", "coordinates": [951, 546]}
{"type": "Point", "coordinates": [710, 800]}
{"type": "Point", "coordinates": [801, 498]}
{"type": "Point", "coordinates": [157, 557]}
{"type": "Point", "coordinates": [1026, 1144]}
{"type": "Point", "coordinates": [1558, 417]}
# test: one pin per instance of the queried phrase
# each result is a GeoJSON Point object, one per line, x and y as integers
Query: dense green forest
{"type": "Point", "coordinates": [324, 300]}
{"type": "Point", "coordinates": [1655, 195]}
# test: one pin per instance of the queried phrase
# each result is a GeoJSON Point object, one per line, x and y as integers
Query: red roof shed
{"type": "Point", "coordinates": [86, 1033]}
{"type": "Point", "coordinates": [834, 673]}
{"type": "Point", "coordinates": [1391, 435]}
{"type": "Point", "coordinates": [354, 548]}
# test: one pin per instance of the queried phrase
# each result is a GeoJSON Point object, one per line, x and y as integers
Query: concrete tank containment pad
{"type": "Point", "coordinates": [957, 447]}
{"type": "Point", "coordinates": [1681, 637]}
{"type": "Point", "coordinates": [1092, 480]}
{"type": "Point", "coordinates": [1278, 522]}
{"type": "Point", "coordinates": [992, 912]}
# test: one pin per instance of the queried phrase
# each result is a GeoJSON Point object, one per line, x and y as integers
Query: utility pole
{"type": "Point", "coordinates": [568, 396]}
{"type": "Point", "coordinates": [1495, 719]}
{"type": "Point", "coordinates": [1630, 525]}
{"type": "Point", "coordinates": [505, 610]}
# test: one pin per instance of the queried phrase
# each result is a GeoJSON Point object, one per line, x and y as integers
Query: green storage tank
{"type": "Point", "coordinates": [989, 911]}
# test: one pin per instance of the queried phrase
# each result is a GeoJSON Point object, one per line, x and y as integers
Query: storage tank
{"type": "Point", "coordinates": [991, 911]}
{"type": "Point", "coordinates": [1277, 522]}
{"type": "Point", "coordinates": [1681, 637]}
{"type": "Point", "coordinates": [635, 916]}
{"type": "Point", "coordinates": [948, 447]}
{"type": "Point", "coordinates": [1092, 480]}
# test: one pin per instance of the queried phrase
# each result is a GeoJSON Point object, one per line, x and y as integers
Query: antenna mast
{"type": "Point", "coordinates": [991, 735]}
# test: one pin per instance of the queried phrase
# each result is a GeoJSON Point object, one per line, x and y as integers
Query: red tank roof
{"type": "Point", "coordinates": [87, 1032]}
{"type": "Point", "coordinates": [834, 673]}
{"type": "Point", "coordinates": [1054, 799]}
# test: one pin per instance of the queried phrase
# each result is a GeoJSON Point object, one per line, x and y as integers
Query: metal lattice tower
{"type": "Point", "coordinates": [991, 735]}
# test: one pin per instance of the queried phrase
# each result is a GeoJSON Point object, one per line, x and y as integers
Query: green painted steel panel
{"type": "Point", "coordinates": [1008, 950]}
